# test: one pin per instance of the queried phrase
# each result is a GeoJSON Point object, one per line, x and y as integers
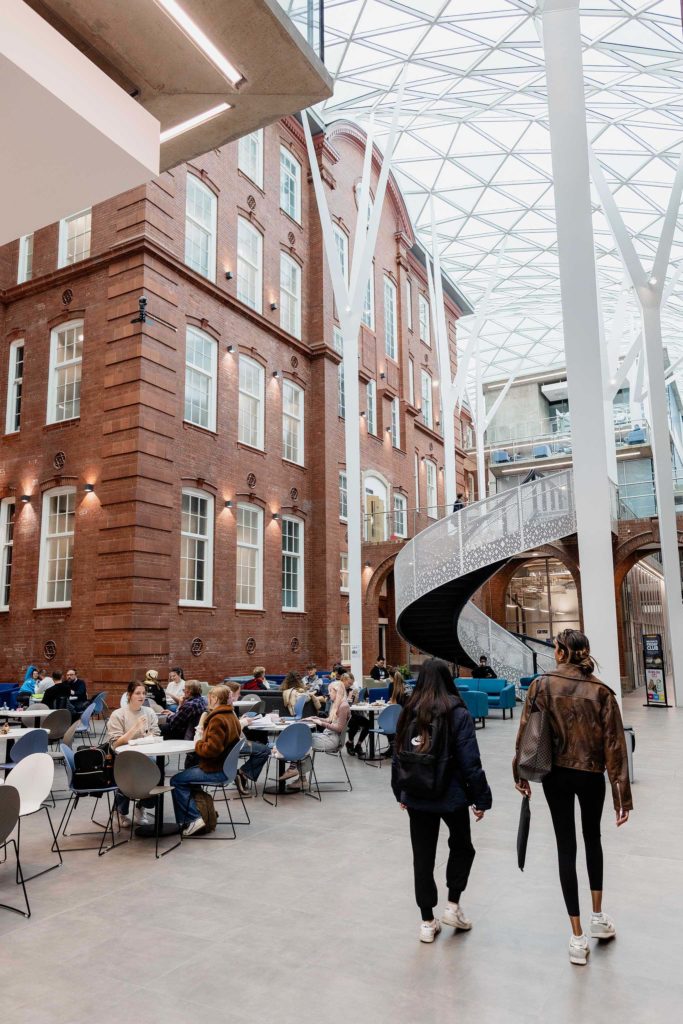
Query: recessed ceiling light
{"type": "Point", "coordinates": [201, 40]}
{"type": "Point", "coordinates": [193, 122]}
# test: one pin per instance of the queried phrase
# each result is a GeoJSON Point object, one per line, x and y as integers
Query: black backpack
{"type": "Point", "coordinates": [426, 775]}
{"type": "Point", "coordinates": [93, 768]}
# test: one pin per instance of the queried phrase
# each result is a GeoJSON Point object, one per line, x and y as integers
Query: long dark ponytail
{"type": "Point", "coordinates": [434, 696]}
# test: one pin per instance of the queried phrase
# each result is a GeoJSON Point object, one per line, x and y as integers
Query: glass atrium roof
{"type": "Point", "coordinates": [474, 135]}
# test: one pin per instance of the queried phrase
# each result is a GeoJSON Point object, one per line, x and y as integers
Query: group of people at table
{"type": "Point", "coordinates": [179, 710]}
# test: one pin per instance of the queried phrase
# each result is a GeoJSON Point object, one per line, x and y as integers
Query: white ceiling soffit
{"type": "Point", "coordinates": [70, 136]}
{"type": "Point", "coordinates": [475, 136]}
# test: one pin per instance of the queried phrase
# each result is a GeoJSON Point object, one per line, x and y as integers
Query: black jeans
{"type": "Point", "coordinates": [560, 788]}
{"type": "Point", "coordinates": [358, 724]}
{"type": "Point", "coordinates": [424, 836]}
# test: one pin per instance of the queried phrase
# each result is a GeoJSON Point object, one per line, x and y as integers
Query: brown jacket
{"type": "Point", "coordinates": [588, 733]}
{"type": "Point", "coordinates": [221, 732]}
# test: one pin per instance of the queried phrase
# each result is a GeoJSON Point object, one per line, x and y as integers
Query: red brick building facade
{"type": "Point", "coordinates": [129, 575]}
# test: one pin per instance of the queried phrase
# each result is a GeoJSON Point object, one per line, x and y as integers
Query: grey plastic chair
{"type": "Point", "coordinates": [68, 737]}
{"type": "Point", "coordinates": [137, 777]}
{"type": "Point", "coordinates": [257, 705]}
{"type": "Point", "coordinates": [10, 803]}
{"type": "Point", "coordinates": [230, 766]}
{"type": "Point", "coordinates": [57, 724]}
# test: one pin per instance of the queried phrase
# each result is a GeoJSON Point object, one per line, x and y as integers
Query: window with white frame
{"type": "Point", "coordinates": [250, 156]}
{"type": "Point", "coordinates": [344, 572]}
{"type": "Point", "coordinates": [341, 240]}
{"type": "Point", "coordinates": [371, 390]}
{"type": "Point", "coordinates": [74, 238]}
{"type": "Point", "coordinates": [409, 304]}
{"type": "Point", "coordinates": [201, 353]}
{"type": "Point", "coordinates": [345, 644]}
{"type": "Point", "coordinates": [416, 479]}
{"type": "Point", "coordinates": [426, 396]}
{"type": "Point", "coordinates": [395, 423]}
{"type": "Point", "coordinates": [432, 510]}
{"type": "Point", "coordinates": [15, 383]}
{"type": "Point", "coordinates": [7, 510]}
{"type": "Point", "coordinates": [64, 383]}
{"type": "Point", "coordinates": [201, 206]}
{"type": "Point", "coordinates": [290, 295]}
{"type": "Point", "coordinates": [411, 381]}
{"type": "Point", "coordinates": [251, 403]}
{"type": "Point", "coordinates": [423, 314]}
{"type": "Point", "coordinates": [56, 548]}
{"type": "Point", "coordinates": [196, 548]}
{"type": "Point", "coordinates": [292, 564]}
{"type": "Point", "coordinates": [249, 565]}
{"type": "Point", "coordinates": [368, 317]}
{"type": "Point", "coordinates": [292, 422]}
{"type": "Point", "coordinates": [249, 265]}
{"type": "Point", "coordinates": [337, 340]}
{"type": "Point", "coordinates": [343, 497]}
{"type": "Point", "coordinates": [390, 319]}
{"type": "Point", "coordinates": [400, 515]}
{"type": "Point", "coordinates": [290, 185]}
{"type": "Point", "coordinates": [25, 267]}
{"type": "Point", "coordinates": [341, 392]}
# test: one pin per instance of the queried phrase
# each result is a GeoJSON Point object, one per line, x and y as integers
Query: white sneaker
{"type": "Point", "coordinates": [453, 915]}
{"type": "Point", "coordinates": [578, 949]}
{"type": "Point", "coordinates": [193, 827]}
{"type": "Point", "coordinates": [124, 821]}
{"type": "Point", "coordinates": [141, 816]}
{"type": "Point", "coordinates": [602, 927]}
{"type": "Point", "coordinates": [429, 930]}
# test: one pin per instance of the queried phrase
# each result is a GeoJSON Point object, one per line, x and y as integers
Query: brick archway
{"type": "Point", "coordinates": [491, 597]}
{"type": "Point", "coordinates": [381, 572]}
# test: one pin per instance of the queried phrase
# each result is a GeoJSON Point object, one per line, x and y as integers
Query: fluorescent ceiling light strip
{"type": "Point", "coordinates": [193, 122]}
{"type": "Point", "coordinates": [201, 41]}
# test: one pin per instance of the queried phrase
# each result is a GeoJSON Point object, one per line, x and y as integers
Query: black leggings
{"type": "Point", "coordinates": [358, 725]}
{"type": "Point", "coordinates": [424, 836]}
{"type": "Point", "coordinates": [560, 788]}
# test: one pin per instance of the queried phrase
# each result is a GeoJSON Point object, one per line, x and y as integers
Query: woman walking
{"type": "Point", "coordinates": [588, 738]}
{"type": "Point", "coordinates": [437, 775]}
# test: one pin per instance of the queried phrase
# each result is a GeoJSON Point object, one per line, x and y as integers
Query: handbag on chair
{"type": "Point", "coordinates": [535, 757]}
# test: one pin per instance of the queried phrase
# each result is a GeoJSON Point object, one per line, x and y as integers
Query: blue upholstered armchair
{"type": "Point", "coordinates": [500, 694]}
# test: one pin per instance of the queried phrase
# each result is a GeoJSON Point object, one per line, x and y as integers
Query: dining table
{"type": "Point", "coordinates": [26, 714]}
{"type": "Point", "coordinates": [370, 710]}
{"type": "Point", "coordinates": [9, 738]}
{"type": "Point", "coordinates": [159, 749]}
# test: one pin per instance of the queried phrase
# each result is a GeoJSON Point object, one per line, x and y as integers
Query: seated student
{"type": "Point", "coordinates": [259, 680]}
{"type": "Point", "coordinates": [176, 686]}
{"type": "Point", "coordinates": [57, 693]}
{"type": "Point", "coordinates": [293, 687]}
{"type": "Point", "coordinates": [483, 670]}
{"type": "Point", "coordinates": [181, 725]}
{"type": "Point", "coordinates": [333, 728]}
{"type": "Point", "coordinates": [217, 733]}
{"type": "Point", "coordinates": [155, 688]}
{"type": "Point", "coordinates": [359, 722]}
{"type": "Point", "coordinates": [379, 670]}
{"type": "Point", "coordinates": [258, 752]}
{"type": "Point", "coordinates": [311, 679]}
{"type": "Point", "coordinates": [126, 724]}
{"type": "Point", "coordinates": [28, 687]}
{"type": "Point", "coordinates": [398, 694]}
{"type": "Point", "coordinates": [78, 696]}
{"type": "Point", "coordinates": [44, 681]}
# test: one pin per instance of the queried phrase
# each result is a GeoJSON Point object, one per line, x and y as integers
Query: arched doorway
{"type": "Point", "coordinates": [541, 599]}
{"type": "Point", "coordinates": [376, 504]}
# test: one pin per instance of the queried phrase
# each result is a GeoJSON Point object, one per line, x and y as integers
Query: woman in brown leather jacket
{"type": "Point", "coordinates": [588, 739]}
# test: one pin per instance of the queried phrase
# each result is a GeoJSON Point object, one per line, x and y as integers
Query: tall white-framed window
{"type": "Point", "coordinates": [338, 340]}
{"type": "Point", "coordinates": [341, 240]}
{"type": "Point", "coordinates": [250, 156]}
{"type": "Point", "coordinates": [395, 423]}
{"type": "Point", "coordinates": [390, 319]}
{"type": "Point", "coordinates": [416, 479]}
{"type": "Point", "coordinates": [74, 238]}
{"type": "Point", "coordinates": [426, 396]}
{"type": "Point", "coordinates": [56, 548]}
{"type": "Point", "coordinates": [411, 381]}
{"type": "Point", "coordinates": [290, 295]}
{"type": "Point", "coordinates": [343, 496]}
{"type": "Point", "coordinates": [7, 510]}
{"type": "Point", "coordinates": [432, 510]}
{"type": "Point", "coordinates": [345, 645]}
{"type": "Point", "coordinates": [290, 185]}
{"type": "Point", "coordinates": [368, 317]}
{"type": "Point", "coordinates": [249, 564]}
{"type": "Point", "coordinates": [15, 383]}
{"type": "Point", "coordinates": [249, 265]}
{"type": "Point", "coordinates": [25, 266]}
{"type": "Point", "coordinates": [201, 355]}
{"type": "Point", "coordinates": [341, 392]}
{"type": "Point", "coordinates": [64, 383]}
{"type": "Point", "coordinates": [196, 548]}
{"type": "Point", "coordinates": [292, 422]}
{"type": "Point", "coordinates": [292, 564]}
{"type": "Point", "coordinates": [344, 572]}
{"type": "Point", "coordinates": [371, 390]}
{"type": "Point", "coordinates": [251, 403]}
{"type": "Point", "coordinates": [423, 314]}
{"type": "Point", "coordinates": [409, 304]}
{"type": "Point", "coordinates": [400, 515]}
{"type": "Point", "coordinates": [201, 211]}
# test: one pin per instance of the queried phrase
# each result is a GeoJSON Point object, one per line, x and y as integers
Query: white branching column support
{"type": "Point", "coordinates": [350, 301]}
{"type": "Point", "coordinates": [580, 316]}
{"type": "Point", "coordinates": [447, 384]}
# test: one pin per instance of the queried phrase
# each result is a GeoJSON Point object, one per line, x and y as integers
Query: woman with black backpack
{"type": "Point", "coordinates": [437, 774]}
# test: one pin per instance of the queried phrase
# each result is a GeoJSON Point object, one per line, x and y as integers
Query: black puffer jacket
{"type": "Point", "coordinates": [467, 784]}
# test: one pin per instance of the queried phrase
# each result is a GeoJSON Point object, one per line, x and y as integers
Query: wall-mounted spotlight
{"type": "Point", "coordinates": [89, 488]}
{"type": "Point", "coordinates": [231, 348]}
{"type": "Point", "coordinates": [276, 374]}
{"type": "Point", "coordinates": [368, 565]}
{"type": "Point", "coordinates": [438, 423]}
{"type": "Point", "coordinates": [423, 459]}
{"type": "Point", "coordinates": [228, 275]}
{"type": "Point", "coordinates": [228, 504]}
{"type": "Point", "coordinates": [273, 306]}
{"type": "Point", "coordinates": [382, 376]}
{"type": "Point", "coordinates": [25, 498]}
{"type": "Point", "coordinates": [388, 430]}
{"type": "Point", "coordinates": [363, 413]}
{"type": "Point", "coordinates": [276, 515]}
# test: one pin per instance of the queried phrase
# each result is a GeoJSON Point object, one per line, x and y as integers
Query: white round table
{"type": "Point", "coordinates": [160, 749]}
{"type": "Point", "coordinates": [25, 713]}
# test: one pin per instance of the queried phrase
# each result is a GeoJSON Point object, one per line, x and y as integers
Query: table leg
{"type": "Point", "coordinates": [371, 737]}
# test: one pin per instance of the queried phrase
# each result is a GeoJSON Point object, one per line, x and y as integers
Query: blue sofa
{"type": "Point", "coordinates": [500, 694]}
{"type": "Point", "coordinates": [477, 704]}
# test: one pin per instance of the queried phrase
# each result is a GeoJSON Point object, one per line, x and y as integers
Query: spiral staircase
{"type": "Point", "coordinates": [440, 569]}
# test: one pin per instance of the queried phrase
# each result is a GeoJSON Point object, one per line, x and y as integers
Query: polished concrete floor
{"type": "Point", "coordinates": [309, 915]}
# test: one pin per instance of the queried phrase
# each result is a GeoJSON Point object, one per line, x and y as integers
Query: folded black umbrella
{"type": "Point", "coordinates": [523, 831]}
